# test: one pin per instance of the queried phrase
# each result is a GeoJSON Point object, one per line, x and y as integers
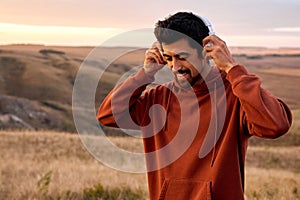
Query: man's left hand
{"type": "Point", "coordinates": [219, 52]}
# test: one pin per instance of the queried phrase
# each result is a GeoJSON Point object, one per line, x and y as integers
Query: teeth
{"type": "Point", "coordinates": [181, 73]}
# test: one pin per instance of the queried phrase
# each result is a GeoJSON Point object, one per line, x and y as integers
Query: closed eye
{"type": "Point", "coordinates": [167, 57]}
{"type": "Point", "coordinates": [181, 58]}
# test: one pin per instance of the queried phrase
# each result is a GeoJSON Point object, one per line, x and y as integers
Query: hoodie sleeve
{"type": "Point", "coordinates": [122, 106]}
{"type": "Point", "coordinates": [265, 115]}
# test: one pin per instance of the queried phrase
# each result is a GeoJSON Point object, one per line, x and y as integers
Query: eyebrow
{"type": "Point", "coordinates": [178, 54]}
{"type": "Point", "coordinates": [182, 54]}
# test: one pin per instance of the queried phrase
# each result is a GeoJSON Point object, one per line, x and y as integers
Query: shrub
{"type": "Point", "coordinates": [43, 183]}
{"type": "Point", "coordinates": [47, 51]}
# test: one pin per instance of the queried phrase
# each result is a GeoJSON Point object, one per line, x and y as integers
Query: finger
{"type": "Point", "coordinates": [154, 57]}
{"type": "Point", "coordinates": [157, 45]}
{"type": "Point", "coordinates": [212, 39]}
{"type": "Point", "coordinates": [207, 40]}
{"type": "Point", "coordinates": [208, 48]}
{"type": "Point", "coordinates": [204, 54]}
{"type": "Point", "coordinates": [159, 55]}
{"type": "Point", "coordinates": [208, 56]}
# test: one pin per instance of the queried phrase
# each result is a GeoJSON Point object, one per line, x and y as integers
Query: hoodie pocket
{"type": "Point", "coordinates": [185, 189]}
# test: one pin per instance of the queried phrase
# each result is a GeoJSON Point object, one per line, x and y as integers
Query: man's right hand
{"type": "Point", "coordinates": [154, 60]}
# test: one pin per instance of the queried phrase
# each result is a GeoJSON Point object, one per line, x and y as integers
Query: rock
{"type": "Point", "coordinates": [16, 112]}
{"type": "Point", "coordinates": [9, 121]}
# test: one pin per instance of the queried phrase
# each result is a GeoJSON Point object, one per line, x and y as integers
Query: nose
{"type": "Point", "coordinates": [176, 64]}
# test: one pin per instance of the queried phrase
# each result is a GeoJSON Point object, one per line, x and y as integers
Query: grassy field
{"type": "Point", "coordinates": [52, 165]}
{"type": "Point", "coordinates": [55, 165]}
{"type": "Point", "coordinates": [28, 158]}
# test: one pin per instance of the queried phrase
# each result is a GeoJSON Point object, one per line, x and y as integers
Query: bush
{"type": "Point", "coordinates": [43, 183]}
{"type": "Point", "coordinates": [47, 51]}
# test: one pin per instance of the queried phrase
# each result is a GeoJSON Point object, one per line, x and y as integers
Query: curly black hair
{"type": "Point", "coordinates": [181, 25]}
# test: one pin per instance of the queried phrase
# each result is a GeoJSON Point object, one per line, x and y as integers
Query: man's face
{"type": "Point", "coordinates": [185, 62]}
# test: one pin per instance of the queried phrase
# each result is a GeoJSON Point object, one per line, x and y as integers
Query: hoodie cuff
{"type": "Point", "coordinates": [236, 73]}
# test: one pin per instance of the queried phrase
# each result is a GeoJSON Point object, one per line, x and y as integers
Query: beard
{"type": "Point", "coordinates": [188, 82]}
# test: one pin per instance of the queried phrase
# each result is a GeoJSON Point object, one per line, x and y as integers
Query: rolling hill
{"type": "Point", "coordinates": [36, 81]}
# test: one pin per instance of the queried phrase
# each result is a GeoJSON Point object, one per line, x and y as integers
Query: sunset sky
{"type": "Point", "coordinates": [269, 23]}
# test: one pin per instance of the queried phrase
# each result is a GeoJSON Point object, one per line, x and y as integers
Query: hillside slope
{"type": "Point", "coordinates": [36, 81]}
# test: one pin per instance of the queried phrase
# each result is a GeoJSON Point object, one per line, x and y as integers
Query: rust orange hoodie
{"type": "Point", "coordinates": [195, 147]}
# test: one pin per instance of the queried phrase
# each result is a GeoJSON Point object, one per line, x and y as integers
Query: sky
{"type": "Point", "coordinates": [266, 23]}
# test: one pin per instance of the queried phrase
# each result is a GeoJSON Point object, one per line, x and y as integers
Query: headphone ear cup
{"type": "Point", "coordinates": [208, 60]}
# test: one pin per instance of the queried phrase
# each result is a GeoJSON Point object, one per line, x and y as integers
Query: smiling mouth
{"type": "Point", "coordinates": [182, 73]}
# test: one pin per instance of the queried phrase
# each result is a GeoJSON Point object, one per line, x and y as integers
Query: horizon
{"type": "Point", "coordinates": [93, 36]}
{"type": "Point", "coordinates": [271, 23]}
{"type": "Point", "coordinates": [142, 47]}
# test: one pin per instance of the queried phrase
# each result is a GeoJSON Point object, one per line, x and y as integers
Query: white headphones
{"type": "Point", "coordinates": [210, 32]}
{"type": "Point", "coordinates": [207, 24]}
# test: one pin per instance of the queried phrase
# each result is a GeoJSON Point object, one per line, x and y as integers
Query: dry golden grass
{"type": "Point", "coordinates": [281, 71]}
{"type": "Point", "coordinates": [27, 157]}
{"type": "Point", "coordinates": [269, 184]}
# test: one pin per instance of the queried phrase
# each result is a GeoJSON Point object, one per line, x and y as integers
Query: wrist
{"type": "Point", "coordinates": [149, 73]}
{"type": "Point", "coordinates": [230, 66]}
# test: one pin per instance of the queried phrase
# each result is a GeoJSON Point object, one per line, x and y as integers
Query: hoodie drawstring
{"type": "Point", "coordinates": [167, 108]}
{"type": "Point", "coordinates": [215, 115]}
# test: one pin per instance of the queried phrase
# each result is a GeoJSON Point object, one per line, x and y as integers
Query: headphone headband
{"type": "Point", "coordinates": [207, 24]}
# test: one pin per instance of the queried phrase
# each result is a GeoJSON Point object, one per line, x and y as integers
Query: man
{"type": "Point", "coordinates": [195, 146]}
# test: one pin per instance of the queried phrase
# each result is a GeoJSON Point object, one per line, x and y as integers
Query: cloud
{"type": "Point", "coordinates": [64, 35]}
{"type": "Point", "coordinates": [287, 29]}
